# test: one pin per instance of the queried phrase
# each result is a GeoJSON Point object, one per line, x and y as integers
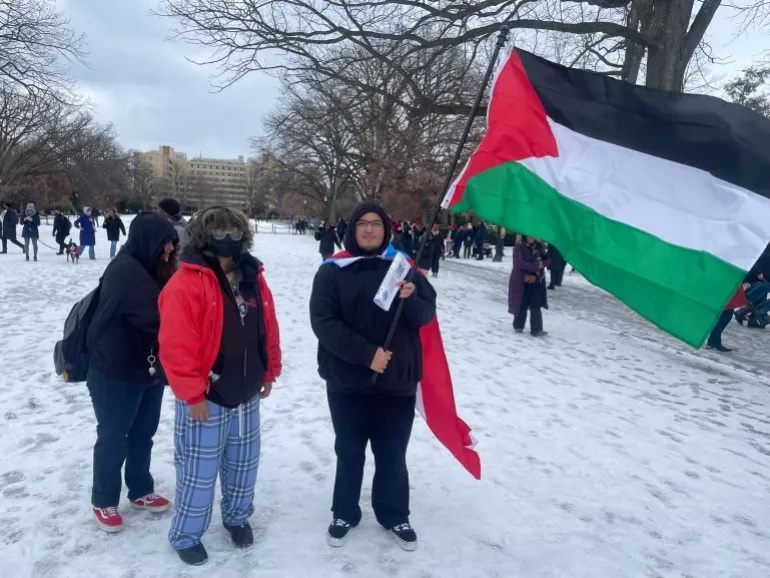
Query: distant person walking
{"type": "Point", "coordinates": [526, 288]}
{"type": "Point", "coordinates": [171, 210]}
{"type": "Point", "coordinates": [115, 227]}
{"type": "Point", "coordinates": [61, 229]}
{"type": "Point", "coordinates": [10, 221]}
{"type": "Point", "coordinates": [468, 238]}
{"type": "Point", "coordinates": [481, 239]}
{"type": "Point", "coordinates": [327, 238]}
{"type": "Point", "coordinates": [87, 233]}
{"type": "Point", "coordinates": [556, 266]}
{"type": "Point", "coordinates": [30, 222]}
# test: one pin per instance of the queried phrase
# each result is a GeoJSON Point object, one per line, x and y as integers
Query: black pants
{"type": "Point", "coordinates": [325, 256]}
{"type": "Point", "coordinates": [467, 251]}
{"type": "Point", "coordinates": [457, 251]}
{"type": "Point", "coordinates": [62, 245]}
{"type": "Point", "coordinates": [385, 421]}
{"type": "Point", "coordinates": [13, 240]}
{"type": "Point", "coordinates": [557, 275]}
{"type": "Point", "coordinates": [536, 313]}
{"type": "Point", "coordinates": [715, 339]}
{"type": "Point", "coordinates": [435, 262]}
{"type": "Point", "coordinates": [127, 417]}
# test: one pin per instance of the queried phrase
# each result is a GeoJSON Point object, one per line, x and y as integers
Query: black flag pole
{"type": "Point", "coordinates": [502, 39]}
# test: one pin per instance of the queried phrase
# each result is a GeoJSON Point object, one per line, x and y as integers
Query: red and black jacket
{"type": "Point", "coordinates": [194, 309]}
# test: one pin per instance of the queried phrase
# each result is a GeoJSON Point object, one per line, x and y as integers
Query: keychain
{"type": "Point", "coordinates": [151, 360]}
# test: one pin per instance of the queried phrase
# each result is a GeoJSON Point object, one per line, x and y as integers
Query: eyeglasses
{"type": "Point", "coordinates": [374, 225]}
{"type": "Point", "coordinates": [220, 235]}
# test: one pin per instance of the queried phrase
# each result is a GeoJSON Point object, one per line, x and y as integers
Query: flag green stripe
{"type": "Point", "coordinates": [660, 281]}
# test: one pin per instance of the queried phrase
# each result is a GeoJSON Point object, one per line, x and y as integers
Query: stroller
{"type": "Point", "coordinates": [758, 308]}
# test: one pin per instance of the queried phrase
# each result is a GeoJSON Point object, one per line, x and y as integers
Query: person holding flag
{"type": "Point", "coordinates": [350, 328]}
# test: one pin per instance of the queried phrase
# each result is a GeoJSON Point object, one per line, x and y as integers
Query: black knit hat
{"type": "Point", "coordinates": [171, 206]}
{"type": "Point", "coordinates": [350, 237]}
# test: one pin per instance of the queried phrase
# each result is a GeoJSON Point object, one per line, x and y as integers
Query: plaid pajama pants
{"type": "Point", "coordinates": [202, 450]}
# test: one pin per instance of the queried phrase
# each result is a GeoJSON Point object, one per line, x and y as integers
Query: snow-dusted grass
{"type": "Point", "coordinates": [608, 450]}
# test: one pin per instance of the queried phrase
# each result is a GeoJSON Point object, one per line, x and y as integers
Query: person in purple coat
{"type": "Point", "coordinates": [526, 288]}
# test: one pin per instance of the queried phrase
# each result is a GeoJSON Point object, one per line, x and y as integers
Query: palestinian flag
{"type": "Point", "coordinates": [659, 198]}
{"type": "Point", "coordinates": [435, 395]}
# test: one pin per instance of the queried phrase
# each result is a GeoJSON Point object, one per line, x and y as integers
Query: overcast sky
{"type": "Point", "coordinates": [142, 83]}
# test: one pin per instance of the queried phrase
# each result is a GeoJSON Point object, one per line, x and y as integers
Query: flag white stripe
{"type": "Point", "coordinates": [678, 204]}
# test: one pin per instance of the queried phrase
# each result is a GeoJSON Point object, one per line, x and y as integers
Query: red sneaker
{"type": "Point", "coordinates": [152, 502]}
{"type": "Point", "coordinates": [109, 519]}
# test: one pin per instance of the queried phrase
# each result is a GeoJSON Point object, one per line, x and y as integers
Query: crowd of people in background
{"type": "Point", "coordinates": [87, 224]}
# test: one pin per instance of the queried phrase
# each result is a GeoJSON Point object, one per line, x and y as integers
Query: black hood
{"type": "Point", "coordinates": [147, 237]}
{"type": "Point", "coordinates": [350, 236]}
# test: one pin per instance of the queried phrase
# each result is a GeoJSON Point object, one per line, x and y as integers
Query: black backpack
{"type": "Point", "coordinates": [70, 355]}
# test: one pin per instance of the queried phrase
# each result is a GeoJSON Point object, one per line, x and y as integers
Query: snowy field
{"type": "Point", "coordinates": [608, 450]}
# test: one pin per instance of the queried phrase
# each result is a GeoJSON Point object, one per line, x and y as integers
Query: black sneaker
{"type": "Point", "coordinates": [720, 348]}
{"type": "Point", "coordinates": [517, 330]}
{"type": "Point", "coordinates": [405, 537]}
{"type": "Point", "coordinates": [242, 535]}
{"type": "Point", "coordinates": [540, 334]}
{"type": "Point", "coordinates": [337, 534]}
{"type": "Point", "coordinates": [194, 555]}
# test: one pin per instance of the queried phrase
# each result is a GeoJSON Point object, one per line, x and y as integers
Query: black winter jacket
{"type": "Point", "coordinates": [10, 220]}
{"type": "Point", "coordinates": [61, 227]}
{"type": "Point", "coordinates": [328, 239]}
{"type": "Point", "coordinates": [124, 329]}
{"type": "Point", "coordinates": [114, 228]}
{"type": "Point", "coordinates": [350, 327]}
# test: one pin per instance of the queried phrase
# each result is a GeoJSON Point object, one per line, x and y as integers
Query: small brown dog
{"type": "Point", "coordinates": [73, 253]}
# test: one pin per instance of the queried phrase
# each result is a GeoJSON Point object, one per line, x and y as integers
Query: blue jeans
{"type": "Point", "coordinates": [91, 252]}
{"type": "Point", "coordinates": [715, 339]}
{"type": "Point", "coordinates": [226, 444]}
{"type": "Point", "coordinates": [127, 417]}
{"type": "Point", "coordinates": [113, 248]}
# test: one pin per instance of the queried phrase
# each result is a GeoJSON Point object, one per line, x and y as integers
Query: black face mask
{"type": "Point", "coordinates": [227, 247]}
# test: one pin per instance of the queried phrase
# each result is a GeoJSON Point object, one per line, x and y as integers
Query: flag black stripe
{"type": "Point", "coordinates": [729, 141]}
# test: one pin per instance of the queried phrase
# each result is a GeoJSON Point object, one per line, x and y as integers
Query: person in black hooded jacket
{"type": "Point", "coordinates": [125, 379]}
{"type": "Point", "coordinates": [351, 329]}
{"type": "Point", "coordinates": [328, 239]}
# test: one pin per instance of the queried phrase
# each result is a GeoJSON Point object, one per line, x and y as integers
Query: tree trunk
{"type": "Point", "coordinates": [639, 19]}
{"type": "Point", "coordinates": [666, 64]}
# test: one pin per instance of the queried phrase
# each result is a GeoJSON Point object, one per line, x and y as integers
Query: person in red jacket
{"type": "Point", "coordinates": [219, 346]}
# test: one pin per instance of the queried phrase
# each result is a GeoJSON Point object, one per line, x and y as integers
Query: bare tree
{"type": "Point", "coordinates": [755, 13]}
{"type": "Point", "coordinates": [37, 128]}
{"type": "Point", "coordinates": [617, 36]}
{"type": "Point", "coordinates": [96, 166]}
{"type": "Point", "coordinates": [176, 183]}
{"type": "Point", "coordinates": [302, 141]}
{"type": "Point", "coordinates": [37, 44]}
{"type": "Point", "coordinates": [144, 184]}
{"type": "Point", "coordinates": [255, 185]}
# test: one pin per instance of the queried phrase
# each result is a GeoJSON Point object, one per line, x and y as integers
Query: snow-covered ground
{"type": "Point", "coordinates": [609, 450]}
